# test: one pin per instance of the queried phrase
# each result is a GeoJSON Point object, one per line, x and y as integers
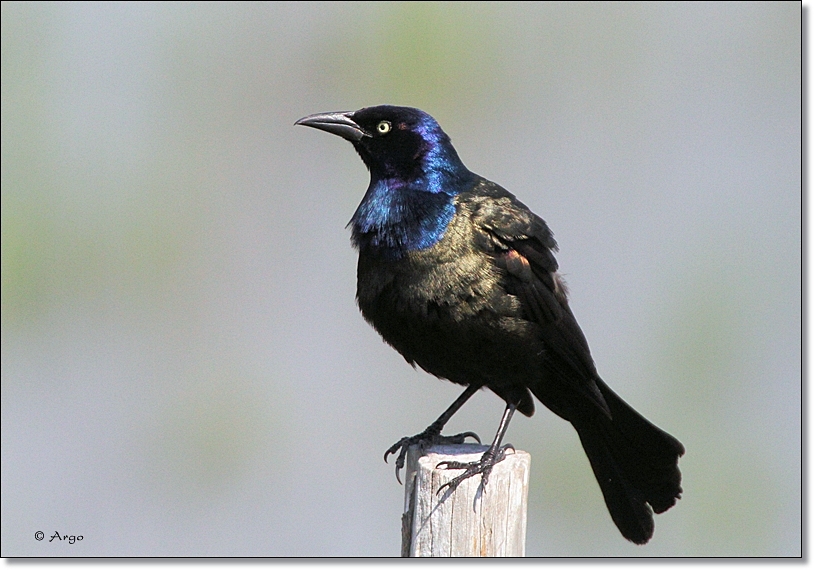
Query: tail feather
{"type": "Point", "coordinates": [635, 463]}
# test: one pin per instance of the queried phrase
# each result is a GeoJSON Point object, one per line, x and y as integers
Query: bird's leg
{"type": "Point", "coordinates": [490, 457]}
{"type": "Point", "coordinates": [432, 435]}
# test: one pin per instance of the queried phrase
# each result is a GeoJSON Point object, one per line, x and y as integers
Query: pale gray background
{"type": "Point", "coordinates": [184, 371]}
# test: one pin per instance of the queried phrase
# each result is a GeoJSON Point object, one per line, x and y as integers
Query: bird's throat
{"type": "Point", "coordinates": [394, 219]}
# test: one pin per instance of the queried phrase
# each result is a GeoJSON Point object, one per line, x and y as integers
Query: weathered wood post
{"type": "Point", "coordinates": [467, 522]}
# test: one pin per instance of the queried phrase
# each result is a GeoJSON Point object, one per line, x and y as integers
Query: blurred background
{"type": "Point", "coordinates": [184, 370]}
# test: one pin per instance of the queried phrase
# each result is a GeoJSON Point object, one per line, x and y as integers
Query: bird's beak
{"type": "Point", "coordinates": [337, 123]}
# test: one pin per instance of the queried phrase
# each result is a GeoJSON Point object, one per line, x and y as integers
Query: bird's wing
{"type": "Point", "coordinates": [523, 247]}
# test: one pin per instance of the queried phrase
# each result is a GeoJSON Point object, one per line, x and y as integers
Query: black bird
{"type": "Point", "coordinates": [460, 277]}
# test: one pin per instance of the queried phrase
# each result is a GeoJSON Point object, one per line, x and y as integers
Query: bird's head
{"type": "Point", "coordinates": [397, 143]}
{"type": "Point", "coordinates": [415, 174]}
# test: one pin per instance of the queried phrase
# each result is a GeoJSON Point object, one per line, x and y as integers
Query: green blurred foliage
{"type": "Point", "coordinates": [209, 437]}
{"type": "Point", "coordinates": [88, 229]}
{"type": "Point", "coordinates": [443, 56]}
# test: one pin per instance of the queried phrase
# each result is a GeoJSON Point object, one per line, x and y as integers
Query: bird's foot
{"type": "Point", "coordinates": [483, 466]}
{"type": "Point", "coordinates": [429, 437]}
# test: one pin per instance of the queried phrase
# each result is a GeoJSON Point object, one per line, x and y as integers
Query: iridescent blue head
{"type": "Point", "coordinates": [415, 174]}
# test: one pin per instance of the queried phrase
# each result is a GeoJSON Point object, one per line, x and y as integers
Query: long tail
{"type": "Point", "coordinates": [635, 463]}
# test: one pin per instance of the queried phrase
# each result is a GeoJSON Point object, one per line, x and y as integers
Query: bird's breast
{"type": "Point", "coordinates": [451, 279]}
{"type": "Point", "coordinates": [445, 308]}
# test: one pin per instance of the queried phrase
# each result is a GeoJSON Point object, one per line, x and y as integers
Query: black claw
{"type": "Point", "coordinates": [452, 465]}
{"type": "Point", "coordinates": [483, 466]}
{"type": "Point", "coordinates": [395, 447]}
{"type": "Point", "coordinates": [461, 437]}
{"type": "Point", "coordinates": [424, 439]}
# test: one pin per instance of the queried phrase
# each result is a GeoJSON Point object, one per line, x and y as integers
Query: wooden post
{"type": "Point", "coordinates": [469, 521]}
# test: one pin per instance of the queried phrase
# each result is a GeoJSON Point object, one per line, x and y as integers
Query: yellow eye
{"type": "Point", "coordinates": [384, 127]}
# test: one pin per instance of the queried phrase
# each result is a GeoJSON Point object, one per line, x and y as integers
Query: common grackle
{"type": "Point", "coordinates": [460, 277]}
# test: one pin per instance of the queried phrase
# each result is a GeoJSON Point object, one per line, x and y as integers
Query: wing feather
{"type": "Point", "coordinates": [523, 247]}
